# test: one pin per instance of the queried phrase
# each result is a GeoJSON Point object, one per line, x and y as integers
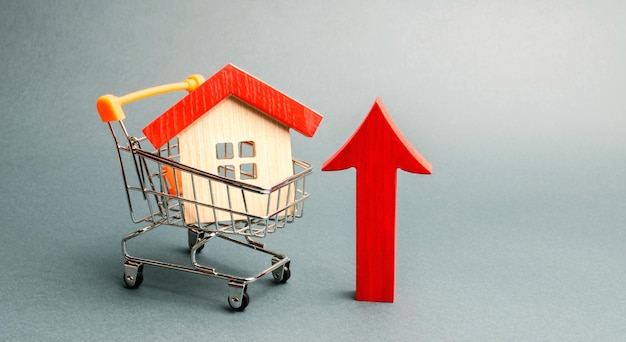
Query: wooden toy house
{"type": "Point", "coordinates": [238, 127]}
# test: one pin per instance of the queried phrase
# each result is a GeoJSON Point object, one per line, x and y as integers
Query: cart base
{"type": "Point", "coordinates": [238, 298]}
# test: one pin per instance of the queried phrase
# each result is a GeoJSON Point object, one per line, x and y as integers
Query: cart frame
{"type": "Point", "coordinates": [152, 186]}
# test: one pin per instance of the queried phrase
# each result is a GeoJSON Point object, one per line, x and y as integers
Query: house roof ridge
{"type": "Point", "coordinates": [231, 80]}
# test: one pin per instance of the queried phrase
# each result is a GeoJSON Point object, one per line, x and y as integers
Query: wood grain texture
{"type": "Point", "coordinates": [231, 80]}
{"type": "Point", "coordinates": [376, 149]}
{"type": "Point", "coordinates": [233, 121]}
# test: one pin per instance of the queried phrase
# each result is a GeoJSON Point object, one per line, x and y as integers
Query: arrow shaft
{"type": "Point", "coordinates": [376, 234]}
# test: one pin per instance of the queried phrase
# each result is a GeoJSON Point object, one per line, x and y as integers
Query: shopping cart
{"type": "Point", "coordinates": [152, 182]}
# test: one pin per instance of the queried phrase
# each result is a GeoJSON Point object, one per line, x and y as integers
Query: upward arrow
{"type": "Point", "coordinates": [376, 149]}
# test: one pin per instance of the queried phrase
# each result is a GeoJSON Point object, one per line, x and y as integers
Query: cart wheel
{"type": "Point", "coordinates": [239, 304]}
{"type": "Point", "coordinates": [286, 275]}
{"type": "Point", "coordinates": [286, 272]}
{"type": "Point", "coordinates": [133, 283]}
{"type": "Point", "coordinates": [194, 237]}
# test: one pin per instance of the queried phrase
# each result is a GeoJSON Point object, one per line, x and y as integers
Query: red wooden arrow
{"type": "Point", "coordinates": [376, 149]}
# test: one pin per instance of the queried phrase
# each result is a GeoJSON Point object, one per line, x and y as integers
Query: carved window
{"type": "Point", "coordinates": [224, 150]}
{"type": "Point", "coordinates": [247, 171]}
{"type": "Point", "coordinates": [246, 149]}
{"type": "Point", "coordinates": [247, 168]}
{"type": "Point", "coordinates": [227, 171]}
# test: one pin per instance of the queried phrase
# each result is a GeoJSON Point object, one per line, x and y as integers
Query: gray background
{"type": "Point", "coordinates": [519, 106]}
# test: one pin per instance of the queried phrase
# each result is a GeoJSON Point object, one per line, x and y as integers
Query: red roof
{"type": "Point", "coordinates": [231, 80]}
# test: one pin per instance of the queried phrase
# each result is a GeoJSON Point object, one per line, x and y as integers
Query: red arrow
{"type": "Point", "coordinates": [376, 149]}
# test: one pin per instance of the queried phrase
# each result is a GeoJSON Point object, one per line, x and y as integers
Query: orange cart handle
{"type": "Point", "coordinates": [110, 106]}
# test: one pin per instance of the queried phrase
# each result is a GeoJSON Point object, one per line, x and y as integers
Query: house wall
{"type": "Point", "coordinates": [233, 121]}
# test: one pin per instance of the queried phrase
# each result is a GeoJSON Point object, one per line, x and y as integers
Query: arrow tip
{"type": "Point", "coordinates": [378, 140]}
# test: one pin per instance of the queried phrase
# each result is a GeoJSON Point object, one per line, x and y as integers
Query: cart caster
{"type": "Point", "coordinates": [285, 276]}
{"type": "Point", "coordinates": [239, 303]}
{"type": "Point", "coordinates": [193, 237]}
{"type": "Point", "coordinates": [133, 275]}
{"type": "Point", "coordinates": [282, 274]}
{"type": "Point", "coordinates": [238, 297]}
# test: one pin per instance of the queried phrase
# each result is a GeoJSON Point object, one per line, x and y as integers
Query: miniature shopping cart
{"type": "Point", "coordinates": [154, 178]}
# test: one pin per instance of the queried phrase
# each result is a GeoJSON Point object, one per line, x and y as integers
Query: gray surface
{"type": "Point", "coordinates": [518, 234]}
